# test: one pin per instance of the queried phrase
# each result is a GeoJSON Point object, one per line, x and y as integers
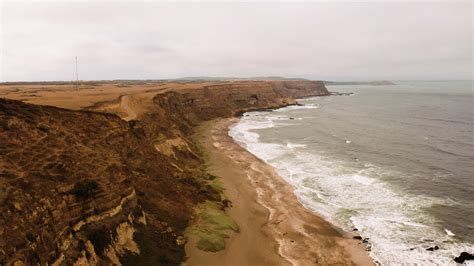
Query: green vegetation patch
{"type": "Point", "coordinates": [212, 226]}
{"type": "Point", "coordinates": [217, 185]}
{"type": "Point", "coordinates": [212, 213]}
{"type": "Point", "coordinates": [198, 138]}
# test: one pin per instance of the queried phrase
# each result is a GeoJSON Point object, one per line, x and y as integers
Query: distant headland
{"type": "Point", "coordinates": [372, 83]}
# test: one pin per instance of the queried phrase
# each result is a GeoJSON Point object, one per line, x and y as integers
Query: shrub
{"type": "Point", "coordinates": [85, 189]}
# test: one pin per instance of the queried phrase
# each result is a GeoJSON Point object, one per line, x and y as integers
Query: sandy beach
{"type": "Point", "coordinates": [275, 228]}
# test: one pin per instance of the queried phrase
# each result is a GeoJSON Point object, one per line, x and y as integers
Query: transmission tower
{"type": "Point", "coordinates": [77, 72]}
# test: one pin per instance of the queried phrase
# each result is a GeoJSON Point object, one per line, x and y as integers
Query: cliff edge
{"type": "Point", "coordinates": [88, 188]}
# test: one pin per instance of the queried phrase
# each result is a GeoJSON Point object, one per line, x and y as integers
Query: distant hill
{"type": "Point", "coordinates": [138, 81]}
{"type": "Point", "coordinates": [372, 83]}
{"type": "Point", "coordinates": [204, 78]}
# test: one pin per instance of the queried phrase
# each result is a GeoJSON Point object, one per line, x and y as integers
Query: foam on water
{"type": "Point", "coordinates": [297, 107]}
{"type": "Point", "coordinates": [448, 232]}
{"type": "Point", "coordinates": [398, 228]}
{"type": "Point", "coordinates": [295, 145]}
{"type": "Point", "coordinates": [363, 179]}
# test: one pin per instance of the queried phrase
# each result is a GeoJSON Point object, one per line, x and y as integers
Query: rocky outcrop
{"type": "Point", "coordinates": [70, 177]}
{"type": "Point", "coordinates": [85, 188]}
{"type": "Point", "coordinates": [464, 256]}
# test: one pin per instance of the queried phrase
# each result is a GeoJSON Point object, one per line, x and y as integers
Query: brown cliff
{"type": "Point", "coordinates": [86, 188]}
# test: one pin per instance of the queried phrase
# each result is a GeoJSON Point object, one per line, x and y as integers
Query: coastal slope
{"type": "Point", "coordinates": [88, 187]}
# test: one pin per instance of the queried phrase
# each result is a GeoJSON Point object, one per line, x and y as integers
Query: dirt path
{"type": "Point", "coordinates": [131, 115]}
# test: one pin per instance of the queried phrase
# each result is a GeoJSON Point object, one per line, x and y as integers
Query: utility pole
{"type": "Point", "coordinates": [77, 73]}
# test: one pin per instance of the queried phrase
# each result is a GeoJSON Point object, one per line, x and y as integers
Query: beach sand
{"type": "Point", "coordinates": [275, 228]}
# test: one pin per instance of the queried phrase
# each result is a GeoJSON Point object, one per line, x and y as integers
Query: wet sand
{"type": "Point", "coordinates": [275, 228]}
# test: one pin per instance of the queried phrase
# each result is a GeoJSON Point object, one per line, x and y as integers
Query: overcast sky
{"type": "Point", "coordinates": [321, 40]}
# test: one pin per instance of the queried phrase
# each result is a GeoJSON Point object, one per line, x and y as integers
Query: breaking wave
{"type": "Point", "coordinates": [395, 224]}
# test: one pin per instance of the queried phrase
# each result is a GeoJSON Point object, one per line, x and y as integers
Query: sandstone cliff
{"type": "Point", "coordinates": [86, 188]}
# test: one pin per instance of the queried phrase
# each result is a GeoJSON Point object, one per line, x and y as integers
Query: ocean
{"type": "Point", "coordinates": [395, 163]}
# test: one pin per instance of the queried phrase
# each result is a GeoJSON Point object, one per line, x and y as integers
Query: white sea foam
{"type": "Point", "coordinates": [364, 180]}
{"type": "Point", "coordinates": [398, 229]}
{"type": "Point", "coordinates": [295, 145]}
{"type": "Point", "coordinates": [297, 107]}
{"type": "Point", "coordinates": [448, 232]}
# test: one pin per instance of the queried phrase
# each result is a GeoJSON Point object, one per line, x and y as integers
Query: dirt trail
{"type": "Point", "coordinates": [131, 114]}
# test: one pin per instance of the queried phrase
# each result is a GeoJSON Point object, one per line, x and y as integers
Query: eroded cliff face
{"type": "Point", "coordinates": [85, 188]}
{"type": "Point", "coordinates": [185, 108]}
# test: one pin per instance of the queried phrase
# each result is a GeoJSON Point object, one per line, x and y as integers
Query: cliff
{"type": "Point", "coordinates": [225, 100]}
{"type": "Point", "coordinates": [87, 188]}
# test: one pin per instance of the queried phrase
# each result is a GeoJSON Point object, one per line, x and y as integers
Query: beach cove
{"type": "Point", "coordinates": [275, 228]}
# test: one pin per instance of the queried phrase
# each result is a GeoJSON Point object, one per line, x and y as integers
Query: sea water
{"type": "Point", "coordinates": [395, 163]}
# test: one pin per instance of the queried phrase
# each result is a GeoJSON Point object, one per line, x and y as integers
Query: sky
{"type": "Point", "coordinates": [392, 40]}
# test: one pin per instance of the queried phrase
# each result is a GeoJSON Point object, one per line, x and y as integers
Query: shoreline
{"type": "Point", "coordinates": [275, 228]}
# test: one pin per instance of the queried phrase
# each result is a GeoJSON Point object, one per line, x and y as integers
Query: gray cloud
{"type": "Point", "coordinates": [124, 40]}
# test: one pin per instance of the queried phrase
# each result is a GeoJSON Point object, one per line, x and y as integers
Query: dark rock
{"type": "Point", "coordinates": [432, 248]}
{"type": "Point", "coordinates": [358, 237]}
{"type": "Point", "coordinates": [355, 229]}
{"type": "Point", "coordinates": [227, 203]}
{"type": "Point", "coordinates": [463, 257]}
